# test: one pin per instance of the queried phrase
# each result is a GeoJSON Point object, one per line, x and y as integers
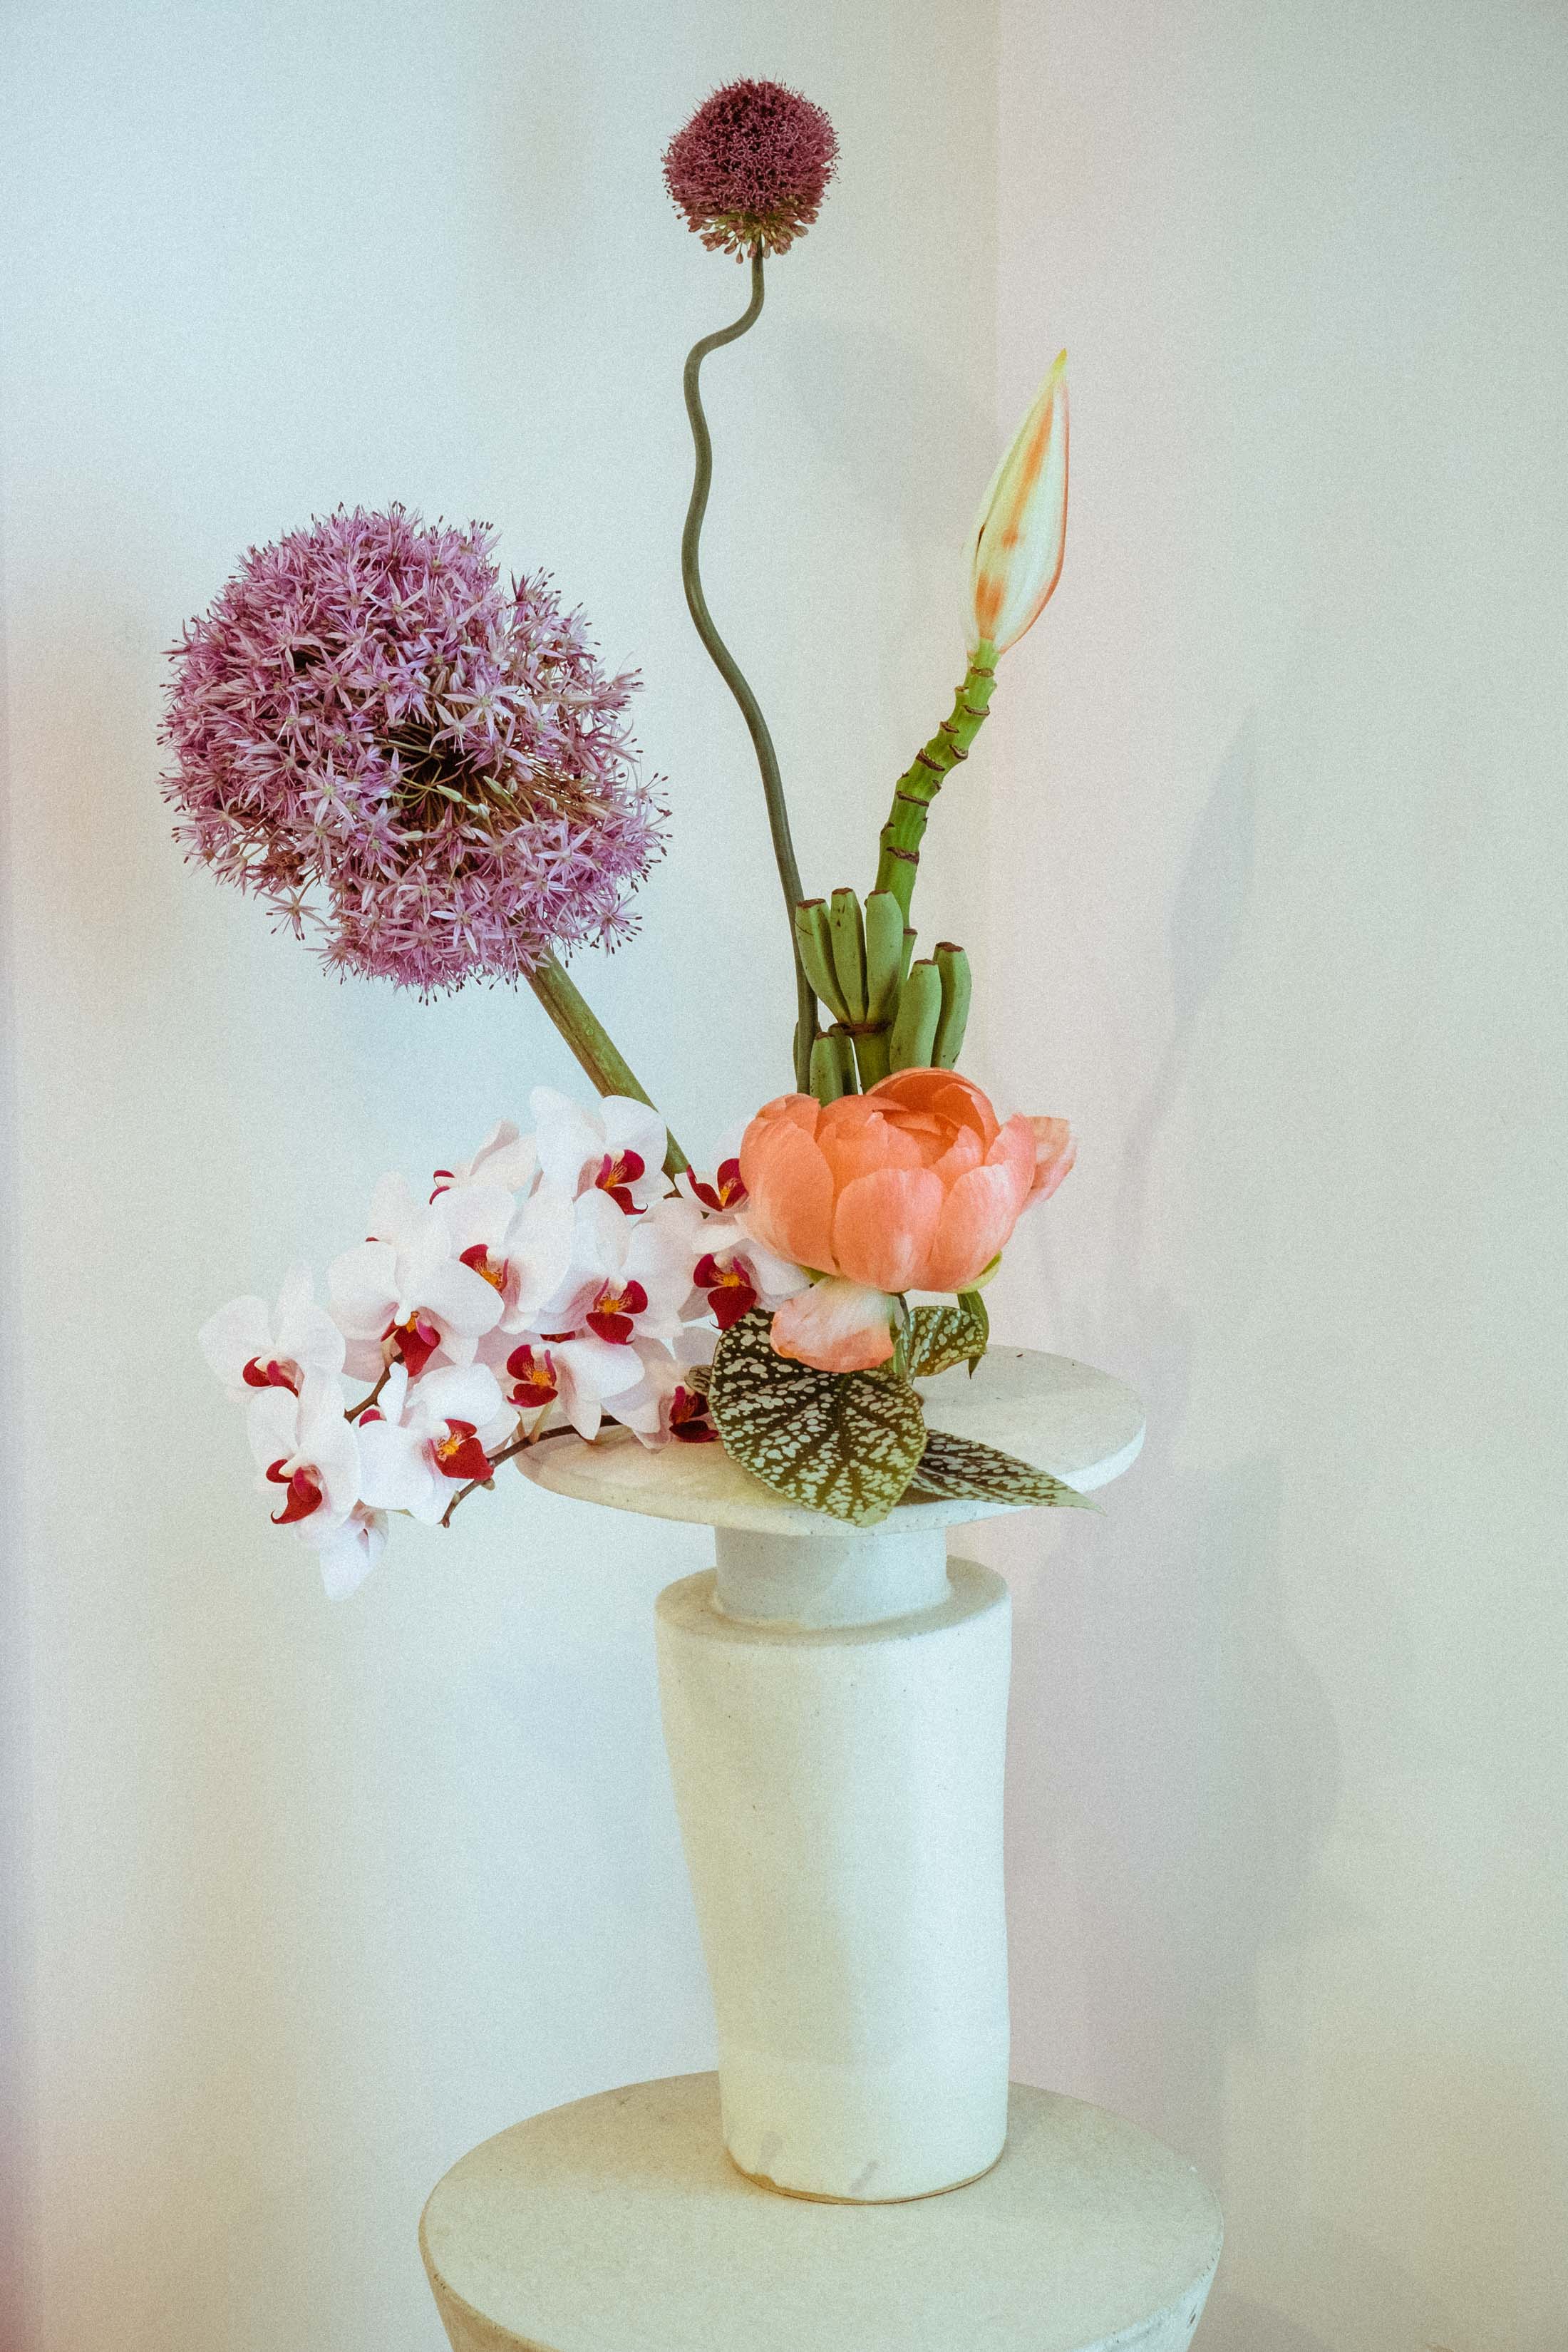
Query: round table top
{"type": "Point", "coordinates": [1083, 1425]}
{"type": "Point", "coordinates": [617, 2224]}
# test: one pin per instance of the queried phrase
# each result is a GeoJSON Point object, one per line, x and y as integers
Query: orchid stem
{"type": "Point", "coordinates": [593, 1045]}
{"type": "Point", "coordinates": [730, 669]}
{"type": "Point", "coordinates": [366, 1402]}
{"type": "Point", "coordinates": [899, 841]}
{"type": "Point", "coordinates": [519, 1445]}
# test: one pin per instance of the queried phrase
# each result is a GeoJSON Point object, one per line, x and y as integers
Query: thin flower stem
{"type": "Point", "coordinates": [366, 1402]}
{"type": "Point", "coordinates": [517, 1446]}
{"type": "Point", "coordinates": [593, 1045]}
{"type": "Point", "coordinates": [730, 669]}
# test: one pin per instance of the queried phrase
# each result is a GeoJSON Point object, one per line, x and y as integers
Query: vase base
{"type": "Point", "coordinates": [821, 2197]}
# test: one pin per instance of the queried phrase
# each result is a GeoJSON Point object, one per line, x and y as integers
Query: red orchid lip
{"type": "Point", "coordinates": [459, 1454]}
{"type": "Point", "coordinates": [729, 1304]}
{"type": "Point", "coordinates": [610, 1316]}
{"type": "Point", "coordinates": [727, 1189]}
{"type": "Point", "coordinates": [304, 1494]}
{"type": "Point", "coordinates": [617, 1173]}
{"type": "Point", "coordinates": [414, 1341]}
{"type": "Point", "coordinates": [615, 1328]}
{"type": "Point", "coordinates": [731, 1291]}
{"type": "Point", "coordinates": [535, 1376]}
{"type": "Point", "coordinates": [688, 1418]}
{"type": "Point", "coordinates": [272, 1374]}
{"type": "Point", "coordinates": [491, 1270]}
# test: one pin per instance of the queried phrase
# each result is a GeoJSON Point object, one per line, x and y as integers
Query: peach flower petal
{"type": "Point", "coordinates": [1014, 1149]}
{"type": "Point", "coordinates": [858, 1147]}
{"type": "Point", "coordinates": [802, 1110]}
{"type": "Point", "coordinates": [964, 1150]}
{"type": "Point", "coordinates": [790, 1191]}
{"type": "Point", "coordinates": [1056, 1148]}
{"type": "Point", "coordinates": [941, 1093]}
{"type": "Point", "coordinates": [885, 1226]}
{"type": "Point", "coordinates": [836, 1326]}
{"type": "Point", "coordinates": [981, 1213]}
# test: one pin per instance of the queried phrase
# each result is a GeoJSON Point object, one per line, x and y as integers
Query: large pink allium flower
{"type": "Point", "coordinates": [373, 734]}
{"type": "Point", "coordinates": [752, 167]}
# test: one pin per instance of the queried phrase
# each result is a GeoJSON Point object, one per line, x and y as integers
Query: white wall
{"type": "Point", "coordinates": [316, 1898]}
{"type": "Point", "coordinates": [1267, 842]}
{"type": "Point", "coordinates": [1281, 925]}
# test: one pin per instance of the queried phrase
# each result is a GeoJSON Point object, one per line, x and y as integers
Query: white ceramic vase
{"type": "Point", "coordinates": [835, 1709]}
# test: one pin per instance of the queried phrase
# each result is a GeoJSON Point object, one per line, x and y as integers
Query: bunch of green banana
{"type": "Point", "coordinates": [890, 1013]}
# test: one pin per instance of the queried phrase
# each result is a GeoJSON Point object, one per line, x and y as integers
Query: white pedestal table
{"type": "Point", "coordinates": [619, 2224]}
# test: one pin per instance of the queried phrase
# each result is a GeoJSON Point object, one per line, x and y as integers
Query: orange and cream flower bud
{"type": "Point", "coordinates": [1022, 527]}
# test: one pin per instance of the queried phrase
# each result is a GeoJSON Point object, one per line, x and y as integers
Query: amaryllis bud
{"type": "Point", "coordinates": [1022, 526]}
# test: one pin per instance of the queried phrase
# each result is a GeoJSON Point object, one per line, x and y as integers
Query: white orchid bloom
{"type": "Point", "coordinates": [306, 1448]}
{"type": "Point", "coordinates": [736, 1273]}
{"type": "Point", "coordinates": [667, 1404]}
{"type": "Point", "coordinates": [724, 1192]}
{"type": "Point", "coordinates": [504, 1157]}
{"type": "Point", "coordinates": [523, 1250]}
{"type": "Point", "coordinates": [629, 1276]}
{"type": "Point", "coordinates": [249, 1348]}
{"type": "Point", "coordinates": [308, 1454]}
{"type": "Point", "coordinates": [424, 1439]}
{"type": "Point", "coordinates": [352, 1550]}
{"type": "Point", "coordinates": [580, 1376]}
{"type": "Point", "coordinates": [617, 1145]}
{"type": "Point", "coordinates": [406, 1293]}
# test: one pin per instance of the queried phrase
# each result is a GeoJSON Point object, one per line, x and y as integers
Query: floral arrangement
{"type": "Point", "coordinates": [431, 775]}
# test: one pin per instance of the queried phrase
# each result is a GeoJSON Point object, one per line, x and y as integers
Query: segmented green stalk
{"type": "Point", "coordinates": [898, 862]}
{"type": "Point", "coordinates": [730, 669]}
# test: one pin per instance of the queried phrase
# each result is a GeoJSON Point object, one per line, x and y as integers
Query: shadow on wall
{"type": "Point", "coordinates": [1175, 1767]}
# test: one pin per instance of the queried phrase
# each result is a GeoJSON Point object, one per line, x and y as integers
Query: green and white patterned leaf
{"type": "Point", "coordinates": [964, 1468]}
{"type": "Point", "coordinates": [940, 1337]}
{"type": "Point", "coordinates": [844, 1444]}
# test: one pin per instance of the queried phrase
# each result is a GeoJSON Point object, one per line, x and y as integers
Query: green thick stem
{"type": "Point", "coordinates": [900, 840]}
{"type": "Point", "coordinates": [730, 669]}
{"type": "Point", "coordinates": [591, 1043]}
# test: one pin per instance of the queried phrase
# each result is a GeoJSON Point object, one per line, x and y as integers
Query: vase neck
{"type": "Point", "coordinates": [844, 1576]}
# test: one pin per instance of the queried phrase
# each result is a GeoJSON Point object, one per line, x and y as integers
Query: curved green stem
{"type": "Point", "coordinates": [899, 841]}
{"type": "Point", "coordinates": [730, 669]}
{"type": "Point", "coordinates": [591, 1043]}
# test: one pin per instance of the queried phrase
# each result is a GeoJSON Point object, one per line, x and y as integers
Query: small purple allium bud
{"type": "Point", "coordinates": [751, 167]}
{"type": "Point", "coordinates": [428, 770]}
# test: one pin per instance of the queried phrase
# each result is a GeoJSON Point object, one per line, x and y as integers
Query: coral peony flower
{"type": "Point", "coordinates": [752, 167]}
{"type": "Point", "coordinates": [1021, 532]}
{"type": "Point", "coordinates": [916, 1185]}
{"type": "Point", "coordinates": [372, 734]}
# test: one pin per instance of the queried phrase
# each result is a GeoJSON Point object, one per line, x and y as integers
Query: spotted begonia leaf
{"type": "Point", "coordinates": [940, 1337]}
{"type": "Point", "coordinates": [964, 1468]}
{"type": "Point", "coordinates": [844, 1444]}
